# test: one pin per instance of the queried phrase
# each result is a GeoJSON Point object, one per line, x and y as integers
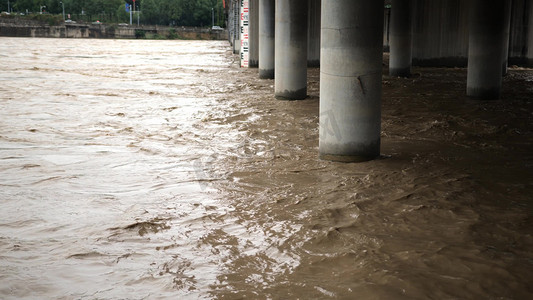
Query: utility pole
{"type": "Point", "coordinates": [63, 5]}
{"type": "Point", "coordinates": [212, 17]}
{"type": "Point", "coordinates": [8, 7]}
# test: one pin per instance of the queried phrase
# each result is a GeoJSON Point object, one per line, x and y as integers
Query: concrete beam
{"type": "Point", "coordinates": [266, 38]}
{"type": "Point", "coordinates": [350, 80]}
{"type": "Point", "coordinates": [400, 39]}
{"type": "Point", "coordinates": [485, 55]}
{"type": "Point", "coordinates": [291, 49]}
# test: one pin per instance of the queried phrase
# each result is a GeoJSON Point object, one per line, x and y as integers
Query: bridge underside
{"type": "Point", "coordinates": [346, 39]}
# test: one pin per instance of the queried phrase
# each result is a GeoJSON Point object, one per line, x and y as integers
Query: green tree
{"type": "Point", "coordinates": [75, 6]}
{"type": "Point", "coordinates": [199, 12]}
{"type": "Point", "coordinates": [162, 12]}
{"type": "Point", "coordinates": [3, 5]}
{"type": "Point", "coordinates": [28, 5]}
{"type": "Point", "coordinates": [202, 12]}
{"type": "Point", "coordinates": [122, 15]}
{"type": "Point", "coordinates": [54, 7]}
{"type": "Point", "coordinates": [151, 12]}
{"type": "Point", "coordinates": [171, 12]}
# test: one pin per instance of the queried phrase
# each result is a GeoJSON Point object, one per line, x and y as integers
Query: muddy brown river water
{"type": "Point", "coordinates": [160, 170]}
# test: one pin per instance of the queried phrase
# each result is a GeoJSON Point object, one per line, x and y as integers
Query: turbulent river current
{"type": "Point", "coordinates": [135, 169]}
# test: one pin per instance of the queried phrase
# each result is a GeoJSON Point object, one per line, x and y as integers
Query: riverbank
{"type": "Point", "coordinates": [15, 27]}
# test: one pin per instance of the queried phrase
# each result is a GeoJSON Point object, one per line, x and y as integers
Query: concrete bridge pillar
{"type": "Point", "coordinates": [400, 39]}
{"type": "Point", "coordinates": [485, 55]}
{"type": "Point", "coordinates": [313, 37]}
{"type": "Point", "coordinates": [521, 37]}
{"type": "Point", "coordinates": [530, 37]}
{"type": "Point", "coordinates": [254, 34]}
{"type": "Point", "coordinates": [234, 17]}
{"type": "Point", "coordinates": [506, 36]}
{"type": "Point", "coordinates": [266, 38]}
{"type": "Point", "coordinates": [529, 61]}
{"type": "Point", "coordinates": [291, 49]}
{"type": "Point", "coordinates": [350, 80]}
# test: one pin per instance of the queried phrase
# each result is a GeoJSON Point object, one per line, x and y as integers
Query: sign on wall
{"type": "Point", "coordinates": [245, 35]}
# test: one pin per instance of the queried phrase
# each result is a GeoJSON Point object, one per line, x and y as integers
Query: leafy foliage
{"type": "Point", "coordinates": [50, 19]}
{"type": "Point", "coordinates": [140, 34]}
{"type": "Point", "coordinates": [155, 12]}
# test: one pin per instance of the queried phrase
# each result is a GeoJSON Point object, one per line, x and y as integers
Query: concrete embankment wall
{"type": "Point", "coordinates": [440, 33]}
{"type": "Point", "coordinates": [33, 30]}
{"type": "Point", "coordinates": [521, 39]}
{"type": "Point", "coordinates": [27, 28]}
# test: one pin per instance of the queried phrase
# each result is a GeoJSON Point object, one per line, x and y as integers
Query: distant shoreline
{"type": "Point", "coordinates": [14, 27]}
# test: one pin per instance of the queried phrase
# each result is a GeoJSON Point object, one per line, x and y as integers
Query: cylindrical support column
{"type": "Point", "coordinates": [291, 50]}
{"type": "Point", "coordinates": [313, 34]}
{"type": "Point", "coordinates": [350, 80]}
{"type": "Point", "coordinates": [506, 37]}
{"type": "Point", "coordinates": [254, 34]}
{"type": "Point", "coordinates": [487, 28]}
{"type": "Point", "coordinates": [266, 38]}
{"type": "Point", "coordinates": [400, 39]}
{"type": "Point", "coordinates": [237, 36]}
{"type": "Point", "coordinates": [530, 36]}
